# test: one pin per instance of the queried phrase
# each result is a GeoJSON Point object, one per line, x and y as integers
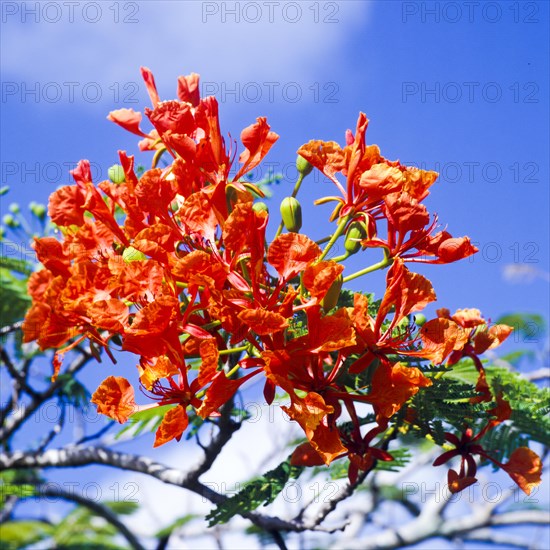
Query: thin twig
{"type": "Point", "coordinates": [13, 423]}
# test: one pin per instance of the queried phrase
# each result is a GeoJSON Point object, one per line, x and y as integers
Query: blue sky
{"type": "Point", "coordinates": [449, 86]}
{"type": "Point", "coordinates": [458, 87]}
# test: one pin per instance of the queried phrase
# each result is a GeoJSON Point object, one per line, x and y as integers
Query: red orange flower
{"type": "Point", "coordinates": [175, 265]}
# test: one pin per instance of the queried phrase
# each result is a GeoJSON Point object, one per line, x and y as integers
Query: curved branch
{"type": "Point", "coordinates": [82, 456]}
{"type": "Point", "coordinates": [227, 427]}
{"type": "Point", "coordinates": [431, 524]}
{"type": "Point", "coordinates": [16, 420]}
{"type": "Point", "coordinates": [19, 378]}
{"type": "Point", "coordinates": [96, 507]}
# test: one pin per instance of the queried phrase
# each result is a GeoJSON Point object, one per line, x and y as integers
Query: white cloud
{"type": "Point", "coordinates": [271, 42]}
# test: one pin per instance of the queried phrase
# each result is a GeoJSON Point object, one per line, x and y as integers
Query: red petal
{"type": "Point", "coordinates": [258, 140]}
{"type": "Point", "coordinates": [150, 85]}
{"type": "Point", "coordinates": [173, 425]}
{"type": "Point", "coordinates": [291, 253]}
{"type": "Point", "coordinates": [115, 398]}
{"type": "Point", "coordinates": [127, 119]}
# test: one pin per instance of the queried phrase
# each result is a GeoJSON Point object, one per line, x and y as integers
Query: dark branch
{"type": "Point", "coordinates": [11, 328]}
{"type": "Point", "coordinates": [100, 509]}
{"type": "Point", "coordinates": [82, 456]}
{"type": "Point", "coordinates": [16, 420]}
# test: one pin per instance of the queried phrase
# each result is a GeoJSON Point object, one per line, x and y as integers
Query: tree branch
{"type": "Point", "coordinates": [11, 328]}
{"type": "Point", "coordinates": [19, 378]}
{"type": "Point", "coordinates": [96, 507]}
{"type": "Point", "coordinates": [227, 427]}
{"type": "Point", "coordinates": [431, 524]}
{"type": "Point", "coordinates": [82, 456]}
{"type": "Point", "coordinates": [13, 422]}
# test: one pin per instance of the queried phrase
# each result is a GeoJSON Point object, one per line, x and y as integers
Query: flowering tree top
{"type": "Point", "coordinates": [175, 266]}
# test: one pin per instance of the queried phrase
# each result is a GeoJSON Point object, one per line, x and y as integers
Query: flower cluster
{"type": "Point", "coordinates": [175, 266]}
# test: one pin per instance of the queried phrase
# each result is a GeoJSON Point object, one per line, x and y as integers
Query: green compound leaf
{"type": "Point", "coordinates": [263, 490]}
{"type": "Point", "coordinates": [144, 421]}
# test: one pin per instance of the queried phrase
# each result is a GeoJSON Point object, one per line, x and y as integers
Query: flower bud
{"type": "Point", "coordinates": [331, 297]}
{"type": "Point", "coordinates": [303, 166]}
{"type": "Point", "coordinates": [38, 210]}
{"type": "Point", "coordinates": [260, 207]}
{"type": "Point", "coordinates": [14, 208]}
{"type": "Point", "coordinates": [291, 212]}
{"type": "Point", "coordinates": [2, 232]}
{"type": "Point", "coordinates": [131, 254]}
{"type": "Point", "coordinates": [355, 234]}
{"type": "Point", "coordinates": [116, 174]}
{"type": "Point", "coordinates": [10, 221]}
{"type": "Point", "coordinates": [419, 319]}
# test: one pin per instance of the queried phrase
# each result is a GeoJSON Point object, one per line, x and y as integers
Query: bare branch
{"type": "Point", "coordinates": [82, 456]}
{"type": "Point", "coordinates": [53, 432]}
{"type": "Point", "coordinates": [227, 427]}
{"type": "Point", "coordinates": [16, 420]}
{"type": "Point", "coordinates": [19, 378]}
{"type": "Point", "coordinates": [9, 504]}
{"type": "Point", "coordinates": [523, 517]}
{"type": "Point", "coordinates": [100, 509]}
{"type": "Point", "coordinates": [431, 524]}
{"type": "Point", "coordinates": [11, 328]}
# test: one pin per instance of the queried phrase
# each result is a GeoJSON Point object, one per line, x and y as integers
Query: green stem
{"type": "Point", "coordinates": [339, 230]}
{"type": "Point", "coordinates": [279, 230]}
{"type": "Point", "coordinates": [24, 225]}
{"type": "Point", "coordinates": [342, 257]}
{"type": "Point", "coordinates": [297, 185]}
{"type": "Point", "coordinates": [380, 265]}
{"type": "Point", "coordinates": [323, 240]}
{"type": "Point", "coordinates": [232, 371]}
{"type": "Point", "coordinates": [233, 350]}
{"type": "Point", "coordinates": [212, 324]}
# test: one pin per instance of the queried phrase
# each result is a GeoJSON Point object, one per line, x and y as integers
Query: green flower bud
{"type": "Point", "coordinates": [333, 294]}
{"type": "Point", "coordinates": [355, 234]}
{"type": "Point", "coordinates": [291, 212]}
{"type": "Point", "coordinates": [260, 207]}
{"type": "Point", "coordinates": [38, 210]}
{"type": "Point", "coordinates": [4, 190]}
{"type": "Point", "coordinates": [14, 208]}
{"type": "Point", "coordinates": [116, 174]}
{"type": "Point", "coordinates": [2, 232]}
{"type": "Point", "coordinates": [10, 221]}
{"type": "Point", "coordinates": [303, 166]}
{"type": "Point", "coordinates": [419, 319]}
{"type": "Point", "coordinates": [131, 254]}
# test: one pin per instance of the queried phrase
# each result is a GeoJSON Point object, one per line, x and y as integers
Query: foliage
{"type": "Point", "coordinates": [256, 492]}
